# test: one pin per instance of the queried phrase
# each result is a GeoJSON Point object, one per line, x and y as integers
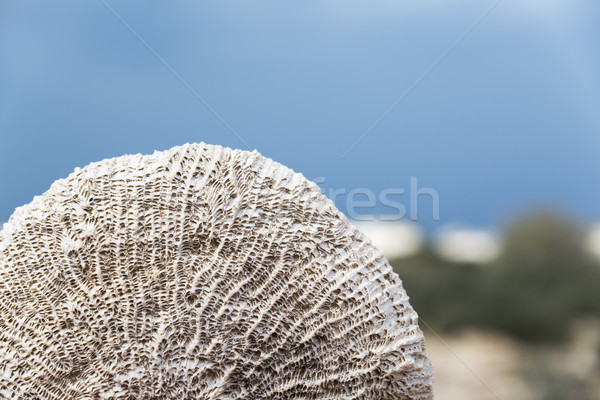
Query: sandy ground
{"type": "Point", "coordinates": [486, 366]}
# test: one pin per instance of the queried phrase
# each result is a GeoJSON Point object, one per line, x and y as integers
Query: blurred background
{"type": "Point", "coordinates": [462, 136]}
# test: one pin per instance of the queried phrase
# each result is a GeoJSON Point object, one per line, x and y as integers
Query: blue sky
{"type": "Point", "coordinates": [508, 121]}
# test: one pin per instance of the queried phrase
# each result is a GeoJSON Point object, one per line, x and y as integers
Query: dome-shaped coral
{"type": "Point", "coordinates": [199, 273]}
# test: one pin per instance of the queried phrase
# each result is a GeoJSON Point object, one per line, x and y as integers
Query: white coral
{"type": "Point", "coordinates": [199, 273]}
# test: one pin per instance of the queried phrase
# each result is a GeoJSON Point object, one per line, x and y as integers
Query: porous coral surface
{"type": "Point", "coordinates": [199, 272]}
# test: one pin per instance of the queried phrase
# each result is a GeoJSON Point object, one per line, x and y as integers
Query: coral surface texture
{"type": "Point", "coordinates": [199, 272]}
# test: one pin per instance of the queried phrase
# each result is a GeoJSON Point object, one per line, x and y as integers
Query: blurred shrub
{"type": "Point", "coordinates": [542, 281]}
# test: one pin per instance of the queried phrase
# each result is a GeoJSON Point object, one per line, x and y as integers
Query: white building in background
{"type": "Point", "coordinates": [399, 239]}
{"type": "Point", "coordinates": [593, 240]}
{"type": "Point", "coordinates": [467, 245]}
{"type": "Point", "coordinates": [456, 244]}
{"type": "Point", "coordinates": [395, 238]}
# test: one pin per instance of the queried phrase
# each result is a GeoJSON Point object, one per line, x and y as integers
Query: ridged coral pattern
{"type": "Point", "coordinates": [199, 272]}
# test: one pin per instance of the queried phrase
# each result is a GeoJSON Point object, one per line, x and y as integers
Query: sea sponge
{"type": "Point", "coordinates": [199, 272]}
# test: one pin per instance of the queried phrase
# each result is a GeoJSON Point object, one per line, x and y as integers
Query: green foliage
{"type": "Point", "coordinates": [540, 284]}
